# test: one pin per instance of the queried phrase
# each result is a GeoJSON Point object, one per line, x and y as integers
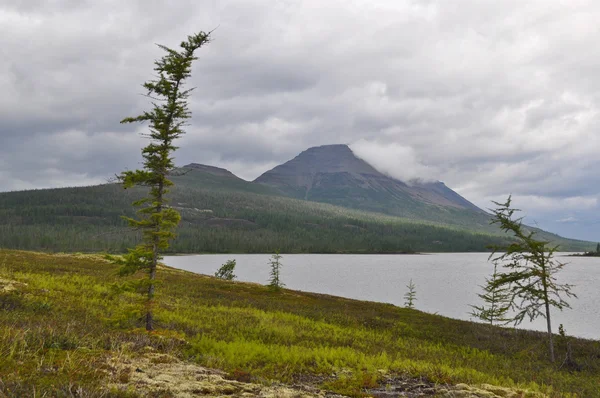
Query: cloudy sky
{"type": "Point", "coordinates": [491, 97]}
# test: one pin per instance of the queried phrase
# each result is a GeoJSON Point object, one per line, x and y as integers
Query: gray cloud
{"type": "Point", "coordinates": [492, 98]}
{"type": "Point", "coordinates": [394, 160]}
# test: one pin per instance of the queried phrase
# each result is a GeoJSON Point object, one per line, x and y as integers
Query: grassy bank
{"type": "Point", "coordinates": [63, 322]}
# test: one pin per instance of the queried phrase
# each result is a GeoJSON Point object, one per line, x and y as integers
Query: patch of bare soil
{"type": "Point", "coordinates": [413, 388]}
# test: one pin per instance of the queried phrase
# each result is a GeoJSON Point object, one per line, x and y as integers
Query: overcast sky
{"type": "Point", "coordinates": [491, 97]}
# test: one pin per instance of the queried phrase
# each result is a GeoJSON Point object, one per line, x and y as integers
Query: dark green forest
{"type": "Point", "coordinates": [223, 214]}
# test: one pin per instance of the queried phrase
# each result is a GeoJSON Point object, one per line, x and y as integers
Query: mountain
{"type": "Point", "coordinates": [217, 179]}
{"type": "Point", "coordinates": [333, 174]}
{"type": "Point", "coordinates": [367, 212]}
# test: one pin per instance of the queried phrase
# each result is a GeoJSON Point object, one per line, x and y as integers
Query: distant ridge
{"type": "Point", "coordinates": [365, 211]}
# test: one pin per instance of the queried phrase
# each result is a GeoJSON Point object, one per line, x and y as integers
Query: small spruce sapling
{"type": "Point", "coordinates": [564, 344]}
{"type": "Point", "coordinates": [411, 295]}
{"type": "Point", "coordinates": [226, 271]}
{"type": "Point", "coordinates": [497, 302]}
{"type": "Point", "coordinates": [275, 282]}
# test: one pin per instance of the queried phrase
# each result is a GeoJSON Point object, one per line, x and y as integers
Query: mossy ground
{"type": "Point", "coordinates": [63, 321]}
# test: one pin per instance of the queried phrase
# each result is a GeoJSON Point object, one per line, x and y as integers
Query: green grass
{"type": "Point", "coordinates": [62, 319]}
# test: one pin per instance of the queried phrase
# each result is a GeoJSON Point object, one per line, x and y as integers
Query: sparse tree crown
{"type": "Point", "coordinates": [530, 272]}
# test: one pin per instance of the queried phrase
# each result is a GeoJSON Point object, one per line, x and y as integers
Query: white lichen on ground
{"type": "Point", "coordinates": [154, 373]}
{"type": "Point", "coordinates": [159, 373]}
{"type": "Point", "coordinates": [8, 285]}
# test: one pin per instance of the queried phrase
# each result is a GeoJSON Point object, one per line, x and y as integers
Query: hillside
{"type": "Point", "coordinates": [223, 213]}
{"type": "Point", "coordinates": [89, 219]}
{"type": "Point", "coordinates": [195, 175]}
{"type": "Point", "coordinates": [66, 329]}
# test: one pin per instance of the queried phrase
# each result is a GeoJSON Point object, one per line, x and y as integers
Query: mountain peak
{"type": "Point", "coordinates": [328, 159]}
{"type": "Point", "coordinates": [298, 176]}
{"type": "Point", "coordinates": [334, 174]}
{"type": "Point", "coordinates": [340, 148]}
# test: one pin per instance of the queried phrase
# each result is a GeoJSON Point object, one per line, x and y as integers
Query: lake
{"type": "Point", "coordinates": [446, 283]}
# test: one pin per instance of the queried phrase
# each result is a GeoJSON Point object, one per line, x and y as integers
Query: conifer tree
{"type": "Point", "coordinates": [411, 295]}
{"type": "Point", "coordinates": [530, 270]}
{"type": "Point", "coordinates": [275, 282]}
{"type": "Point", "coordinates": [497, 301]}
{"type": "Point", "coordinates": [157, 221]}
{"type": "Point", "coordinates": [226, 271]}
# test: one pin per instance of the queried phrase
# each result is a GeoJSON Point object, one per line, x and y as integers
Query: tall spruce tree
{"type": "Point", "coordinates": [157, 221]}
{"type": "Point", "coordinates": [530, 270]}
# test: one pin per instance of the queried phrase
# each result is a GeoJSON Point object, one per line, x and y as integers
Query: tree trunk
{"type": "Point", "coordinates": [151, 278]}
{"type": "Point", "coordinates": [154, 265]}
{"type": "Point", "coordinates": [549, 324]}
{"type": "Point", "coordinates": [545, 277]}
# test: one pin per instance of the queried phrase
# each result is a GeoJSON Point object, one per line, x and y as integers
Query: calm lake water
{"type": "Point", "coordinates": [445, 283]}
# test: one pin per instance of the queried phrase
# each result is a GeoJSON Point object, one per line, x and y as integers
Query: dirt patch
{"type": "Point", "coordinates": [489, 391]}
{"type": "Point", "coordinates": [406, 387]}
{"type": "Point", "coordinates": [412, 388]}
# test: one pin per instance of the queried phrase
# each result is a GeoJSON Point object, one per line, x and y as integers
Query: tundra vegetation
{"type": "Point", "coordinates": [64, 329]}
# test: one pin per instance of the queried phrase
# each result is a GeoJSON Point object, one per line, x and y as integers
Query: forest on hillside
{"type": "Point", "coordinates": [222, 221]}
{"type": "Point", "coordinates": [89, 219]}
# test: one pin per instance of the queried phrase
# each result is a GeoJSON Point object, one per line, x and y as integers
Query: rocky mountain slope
{"type": "Point", "coordinates": [333, 174]}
